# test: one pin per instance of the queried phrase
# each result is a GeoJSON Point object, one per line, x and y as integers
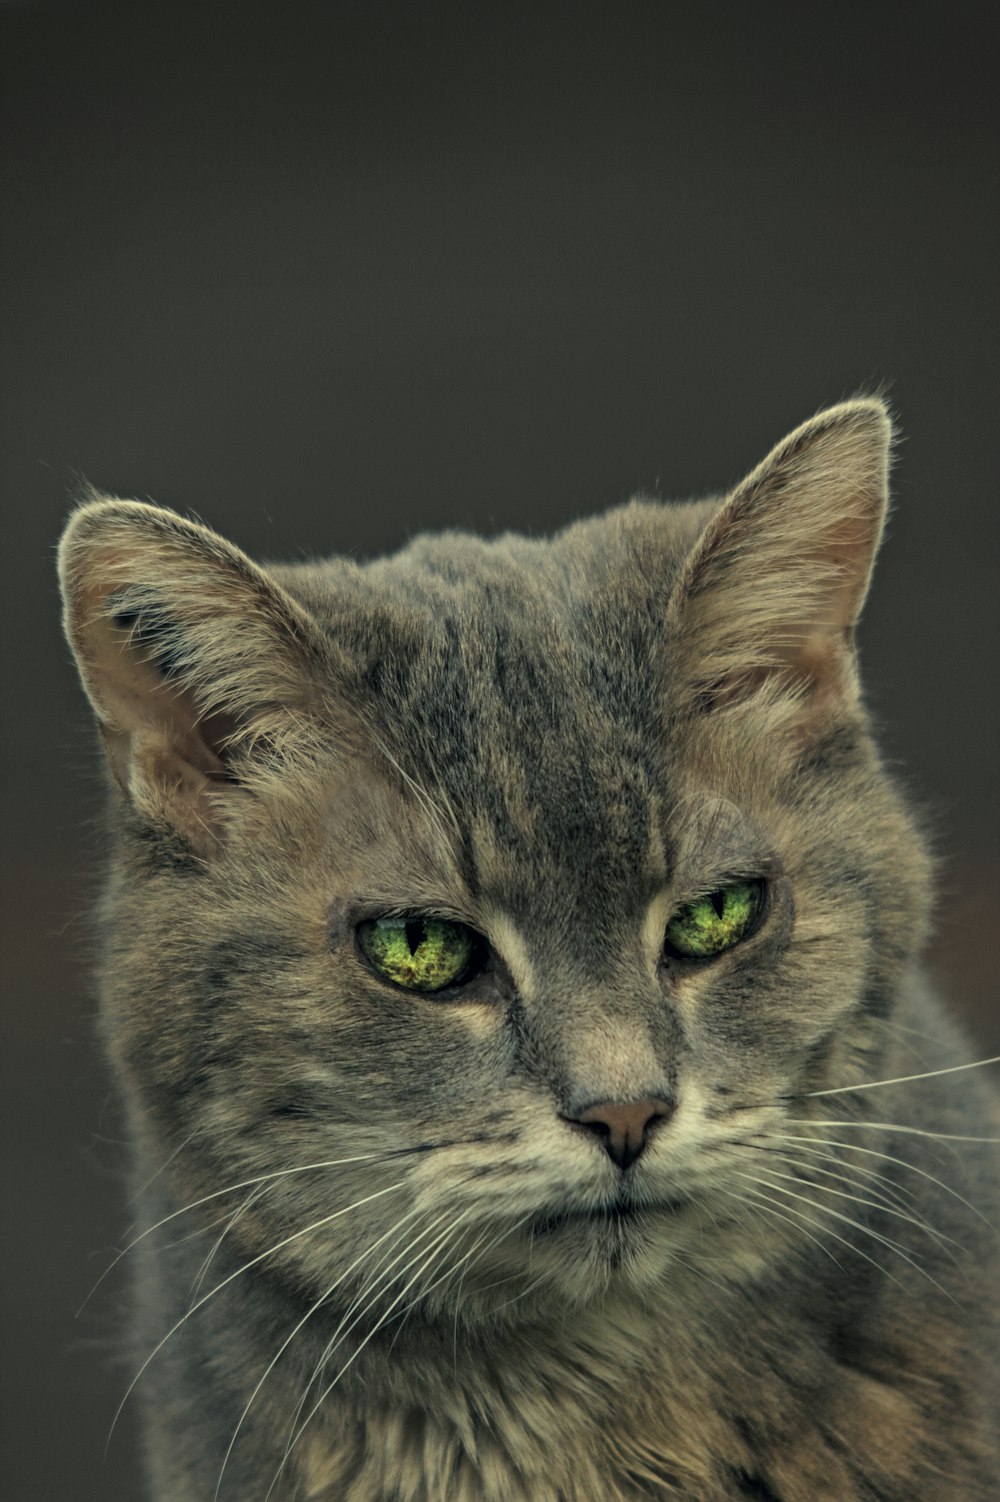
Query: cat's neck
{"type": "Point", "coordinates": [559, 1405]}
{"type": "Point", "coordinates": [622, 1401]}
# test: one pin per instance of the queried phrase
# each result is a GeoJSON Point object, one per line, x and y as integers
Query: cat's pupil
{"type": "Point", "coordinates": [414, 930]}
{"type": "Point", "coordinates": [718, 901]}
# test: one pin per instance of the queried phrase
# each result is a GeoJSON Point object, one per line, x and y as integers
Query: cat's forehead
{"type": "Point", "coordinates": [509, 718]}
{"type": "Point", "coordinates": [521, 685]}
{"type": "Point", "coordinates": [557, 627]}
{"type": "Point", "coordinates": [621, 561]}
{"type": "Point", "coordinates": [532, 687]}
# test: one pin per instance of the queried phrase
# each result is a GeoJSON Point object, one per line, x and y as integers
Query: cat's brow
{"type": "Point", "coordinates": [511, 945]}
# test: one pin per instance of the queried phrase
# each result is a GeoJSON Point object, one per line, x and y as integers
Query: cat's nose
{"type": "Point", "coordinates": [624, 1127]}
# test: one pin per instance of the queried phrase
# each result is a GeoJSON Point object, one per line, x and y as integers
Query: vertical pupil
{"type": "Point", "coordinates": [718, 901]}
{"type": "Point", "coordinates": [414, 930]}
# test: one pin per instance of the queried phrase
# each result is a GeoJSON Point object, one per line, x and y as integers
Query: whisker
{"type": "Point", "coordinates": [883, 1207]}
{"type": "Point", "coordinates": [439, 819]}
{"type": "Point", "coordinates": [872, 1152]}
{"type": "Point", "coordinates": [758, 1201]}
{"type": "Point", "coordinates": [365, 1298]}
{"type": "Point", "coordinates": [449, 1272]}
{"type": "Point", "coordinates": [147, 1183]}
{"type": "Point", "coordinates": [291, 1336]}
{"type": "Point", "coordinates": [858, 1225]}
{"type": "Point", "coordinates": [893, 1192]}
{"type": "Point", "coordinates": [355, 1312]}
{"type": "Point", "coordinates": [545, 1277]}
{"type": "Point", "coordinates": [826, 1230]}
{"type": "Point", "coordinates": [206, 1199]}
{"type": "Point", "coordinates": [481, 1246]}
{"type": "Point", "coordinates": [749, 1224]}
{"type": "Point", "coordinates": [890, 1194]}
{"type": "Point", "coordinates": [906, 1034]}
{"type": "Point", "coordinates": [699, 1272]}
{"type": "Point", "coordinates": [444, 1236]}
{"type": "Point", "coordinates": [316, 1225]}
{"type": "Point", "coordinates": [905, 1079]}
{"type": "Point", "coordinates": [888, 1241]}
{"type": "Point", "coordinates": [889, 1126]}
{"type": "Point", "coordinates": [231, 1221]}
{"type": "Point", "coordinates": [481, 1243]}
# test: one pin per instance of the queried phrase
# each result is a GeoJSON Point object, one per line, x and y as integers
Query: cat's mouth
{"type": "Point", "coordinates": [619, 1217]}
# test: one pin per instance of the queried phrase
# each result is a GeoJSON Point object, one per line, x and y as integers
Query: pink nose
{"type": "Point", "coordinates": [623, 1126]}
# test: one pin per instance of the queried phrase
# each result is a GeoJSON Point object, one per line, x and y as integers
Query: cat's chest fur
{"type": "Point", "coordinates": [569, 1421]}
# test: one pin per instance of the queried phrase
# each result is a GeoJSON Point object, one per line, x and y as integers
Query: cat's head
{"type": "Point", "coordinates": [473, 909]}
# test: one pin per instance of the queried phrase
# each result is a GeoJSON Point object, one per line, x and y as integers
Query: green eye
{"type": "Point", "coordinates": [705, 927]}
{"type": "Point", "coordinates": [420, 954]}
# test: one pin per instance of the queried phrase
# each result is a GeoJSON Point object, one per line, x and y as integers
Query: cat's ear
{"type": "Point", "coordinates": [771, 593]}
{"type": "Point", "coordinates": [199, 667]}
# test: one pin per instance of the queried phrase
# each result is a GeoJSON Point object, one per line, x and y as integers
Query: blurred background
{"type": "Point", "coordinates": [325, 276]}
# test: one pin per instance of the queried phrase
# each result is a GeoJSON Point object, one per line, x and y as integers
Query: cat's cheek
{"type": "Point", "coordinates": [754, 1016]}
{"type": "Point", "coordinates": [471, 1033]}
{"type": "Point", "coordinates": [459, 1049]}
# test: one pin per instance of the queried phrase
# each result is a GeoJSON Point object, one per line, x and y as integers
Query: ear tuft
{"type": "Point", "coordinates": [193, 658]}
{"type": "Point", "coordinates": [773, 589]}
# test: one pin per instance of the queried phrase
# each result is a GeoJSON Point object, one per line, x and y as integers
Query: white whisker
{"type": "Point", "coordinates": [147, 1183]}
{"type": "Point", "coordinates": [858, 1225]}
{"type": "Point", "coordinates": [768, 1209]}
{"type": "Point", "coordinates": [254, 1262]}
{"type": "Point", "coordinates": [872, 1152]}
{"type": "Point", "coordinates": [905, 1079]}
{"type": "Point", "coordinates": [545, 1277]}
{"type": "Point", "coordinates": [800, 1215]}
{"type": "Point", "coordinates": [878, 1181]}
{"type": "Point", "coordinates": [891, 1196]}
{"type": "Point", "coordinates": [449, 1272]}
{"type": "Point", "coordinates": [291, 1336]}
{"type": "Point", "coordinates": [231, 1221]}
{"type": "Point", "coordinates": [881, 1206]}
{"type": "Point", "coordinates": [481, 1244]}
{"type": "Point", "coordinates": [357, 1308]}
{"type": "Point", "coordinates": [889, 1126]}
{"type": "Point", "coordinates": [264, 1178]}
{"type": "Point", "coordinates": [444, 1236]}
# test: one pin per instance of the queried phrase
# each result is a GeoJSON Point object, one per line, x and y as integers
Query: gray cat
{"type": "Point", "coordinates": [512, 972]}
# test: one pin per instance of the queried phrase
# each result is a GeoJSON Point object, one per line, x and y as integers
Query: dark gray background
{"type": "Point", "coordinates": [328, 276]}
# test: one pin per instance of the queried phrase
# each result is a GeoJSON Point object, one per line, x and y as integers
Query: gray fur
{"type": "Point", "coordinates": [557, 742]}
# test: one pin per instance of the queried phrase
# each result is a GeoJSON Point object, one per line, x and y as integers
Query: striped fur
{"type": "Point", "coordinates": [374, 1259]}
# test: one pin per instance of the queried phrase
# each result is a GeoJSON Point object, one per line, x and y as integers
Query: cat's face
{"type": "Point", "coordinates": [500, 899]}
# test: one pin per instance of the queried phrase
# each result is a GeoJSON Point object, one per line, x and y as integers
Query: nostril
{"type": "Point", "coordinates": [624, 1127]}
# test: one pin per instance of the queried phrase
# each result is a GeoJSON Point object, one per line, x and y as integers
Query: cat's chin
{"type": "Point", "coordinates": [585, 1252]}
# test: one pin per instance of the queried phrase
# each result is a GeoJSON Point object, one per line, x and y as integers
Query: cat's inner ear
{"type": "Point", "coordinates": [199, 667]}
{"type": "Point", "coordinates": [770, 595]}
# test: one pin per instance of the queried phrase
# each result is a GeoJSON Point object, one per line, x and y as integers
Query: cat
{"type": "Point", "coordinates": [511, 970]}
